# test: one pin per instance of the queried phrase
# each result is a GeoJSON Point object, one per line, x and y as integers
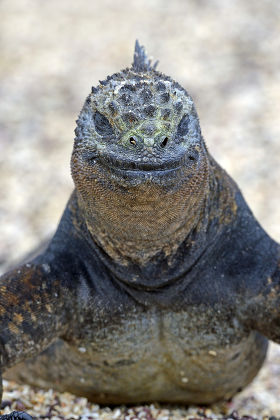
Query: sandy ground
{"type": "Point", "coordinates": [225, 53]}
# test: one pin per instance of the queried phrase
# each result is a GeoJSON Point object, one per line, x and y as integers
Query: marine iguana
{"type": "Point", "coordinates": [159, 283]}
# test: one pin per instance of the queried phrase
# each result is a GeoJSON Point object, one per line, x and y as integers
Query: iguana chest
{"type": "Point", "coordinates": [198, 356]}
{"type": "Point", "coordinates": [167, 356]}
{"type": "Point", "coordinates": [135, 333]}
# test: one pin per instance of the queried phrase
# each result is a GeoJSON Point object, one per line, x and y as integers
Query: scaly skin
{"type": "Point", "coordinates": [159, 284]}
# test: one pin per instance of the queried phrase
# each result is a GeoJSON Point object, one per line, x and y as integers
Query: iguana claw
{"type": "Point", "coordinates": [16, 415]}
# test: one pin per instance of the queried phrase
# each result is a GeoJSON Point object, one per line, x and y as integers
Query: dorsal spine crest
{"type": "Point", "coordinates": [141, 62]}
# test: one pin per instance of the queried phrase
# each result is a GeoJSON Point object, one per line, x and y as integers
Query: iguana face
{"type": "Point", "coordinates": [140, 125]}
{"type": "Point", "coordinates": [139, 163]}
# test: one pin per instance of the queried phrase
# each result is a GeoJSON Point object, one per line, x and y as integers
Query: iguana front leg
{"type": "Point", "coordinates": [32, 312]}
{"type": "Point", "coordinates": [262, 312]}
{"type": "Point", "coordinates": [16, 415]}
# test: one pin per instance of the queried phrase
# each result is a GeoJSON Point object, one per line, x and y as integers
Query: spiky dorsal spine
{"type": "Point", "coordinates": [141, 62]}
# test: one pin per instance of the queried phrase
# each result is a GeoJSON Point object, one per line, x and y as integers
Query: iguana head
{"type": "Point", "coordinates": [139, 162]}
{"type": "Point", "coordinates": [140, 125]}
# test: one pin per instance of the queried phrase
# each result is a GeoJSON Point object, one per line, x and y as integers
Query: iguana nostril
{"type": "Point", "coordinates": [191, 157]}
{"type": "Point", "coordinates": [164, 142]}
{"type": "Point", "coordinates": [132, 141]}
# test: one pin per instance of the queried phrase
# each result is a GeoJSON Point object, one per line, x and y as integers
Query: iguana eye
{"type": "Point", "coordinates": [102, 125]}
{"type": "Point", "coordinates": [183, 126]}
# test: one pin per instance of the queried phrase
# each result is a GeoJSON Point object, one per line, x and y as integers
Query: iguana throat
{"type": "Point", "coordinates": [138, 222]}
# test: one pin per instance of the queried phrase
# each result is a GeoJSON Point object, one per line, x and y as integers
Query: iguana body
{"type": "Point", "coordinates": [159, 283]}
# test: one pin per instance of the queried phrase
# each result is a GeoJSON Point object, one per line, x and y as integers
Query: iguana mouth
{"type": "Point", "coordinates": [127, 165]}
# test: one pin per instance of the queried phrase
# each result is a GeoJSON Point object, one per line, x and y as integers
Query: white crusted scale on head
{"type": "Point", "coordinates": [138, 107]}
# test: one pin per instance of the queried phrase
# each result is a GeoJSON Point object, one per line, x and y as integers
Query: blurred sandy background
{"type": "Point", "coordinates": [226, 53]}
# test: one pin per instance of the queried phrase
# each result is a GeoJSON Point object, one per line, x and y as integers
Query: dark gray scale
{"type": "Point", "coordinates": [129, 118]}
{"type": "Point", "coordinates": [165, 113]}
{"type": "Point", "coordinates": [145, 96]}
{"type": "Point", "coordinates": [150, 111]}
{"type": "Point", "coordinates": [160, 87]}
{"type": "Point", "coordinates": [159, 284]}
{"type": "Point", "coordinates": [164, 97]}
